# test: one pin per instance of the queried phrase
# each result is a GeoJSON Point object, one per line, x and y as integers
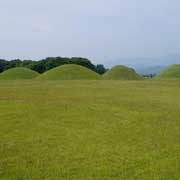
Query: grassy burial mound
{"type": "Point", "coordinates": [121, 73]}
{"type": "Point", "coordinates": [18, 73]}
{"type": "Point", "coordinates": [69, 72]}
{"type": "Point", "coordinates": [171, 72]}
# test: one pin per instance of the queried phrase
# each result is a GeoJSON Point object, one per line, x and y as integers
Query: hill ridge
{"type": "Point", "coordinates": [18, 73]}
{"type": "Point", "coordinates": [171, 72]}
{"type": "Point", "coordinates": [121, 72]}
{"type": "Point", "coordinates": [69, 72]}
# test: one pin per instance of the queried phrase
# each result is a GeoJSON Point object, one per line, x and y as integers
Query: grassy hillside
{"type": "Point", "coordinates": [89, 130]}
{"type": "Point", "coordinates": [171, 72]}
{"type": "Point", "coordinates": [69, 72]}
{"type": "Point", "coordinates": [121, 73]}
{"type": "Point", "coordinates": [18, 73]}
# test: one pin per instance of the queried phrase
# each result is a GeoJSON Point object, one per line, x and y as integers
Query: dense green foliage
{"type": "Point", "coordinates": [18, 73]}
{"type": "Point", "coordinates": [49, 63]}
{"type": "Point", "coordinates": [171, 72]}
{"type": "Point", "coordinates": [89, 130]}
{"type": "Point", "coordinates": [121, 73]}
{"type": "Point", "coordinates": [69, 72]}
{"type": "Point", "coordinates": [100, 69]}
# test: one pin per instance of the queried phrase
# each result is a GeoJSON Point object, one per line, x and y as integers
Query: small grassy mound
{"type": "Point", "coordinates": [69, 72]}
{"type": "Point", "coordinates": [121, 73]}
{"type": "Point", "coordinates": [171, 72]}
{"type": "Point", "coordinates": [18, 73]}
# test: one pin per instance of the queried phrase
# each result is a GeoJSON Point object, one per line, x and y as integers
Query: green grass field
{"type": "Point", "coordinates": [89, 130]}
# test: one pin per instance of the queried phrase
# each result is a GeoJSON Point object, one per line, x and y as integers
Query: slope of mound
{"type": "Point", "coordinates": [171, 72]}
{"type": "Point", "coordinates": [18, 73]}
{"type": "Point", "coordinates": [69, 72]}
{"type": "Point", "coordinates": [121, 73]}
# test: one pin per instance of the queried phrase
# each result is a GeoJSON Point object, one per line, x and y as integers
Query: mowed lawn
{"type": "Point", "coordinates": [90, 130]}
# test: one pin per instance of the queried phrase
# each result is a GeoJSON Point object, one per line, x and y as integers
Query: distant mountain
{"type": "Point", "coordinates": [148, 65]}
{"type": "Point", "coordinates": [149, 70]}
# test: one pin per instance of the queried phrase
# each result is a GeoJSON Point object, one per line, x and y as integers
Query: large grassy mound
{"type": "Point", "coordinates": [122, 73]}
{"type": "Point", "coordinates": [69, 72]}
{"type": "Point", "coordinates": [18, 73]}
{"type": "Point", "coordinates": [171, 72]}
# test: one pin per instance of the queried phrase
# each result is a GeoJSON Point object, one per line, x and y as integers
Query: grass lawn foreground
{"type": "Point", "coordinates": [90, 130]}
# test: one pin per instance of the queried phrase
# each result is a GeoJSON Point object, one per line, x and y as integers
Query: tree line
{"type": "Point", "coordinates": [51, 62]}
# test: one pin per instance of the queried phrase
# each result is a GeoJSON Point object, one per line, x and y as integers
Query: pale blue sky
{"type": "Point", "coordinates": [102, 30]}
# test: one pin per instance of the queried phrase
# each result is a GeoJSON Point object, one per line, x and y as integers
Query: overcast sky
{"type": "Point", "coordinates": [102, 30]}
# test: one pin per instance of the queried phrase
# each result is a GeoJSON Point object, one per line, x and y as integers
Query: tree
{"type": "Point", "coordinates": [3, 64]}
{"type": "Point", "coordinates": [100, 69]}
{"type": "Point", "coordinates": [49, 63]}
{"type": "Point", "coordinates": [13, 63]}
